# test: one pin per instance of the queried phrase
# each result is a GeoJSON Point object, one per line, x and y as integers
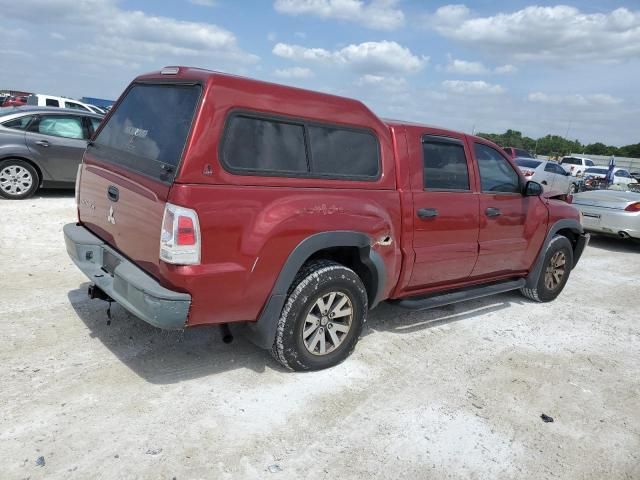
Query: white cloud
{"type": "Point", "coordinates": [367, 57]}
{"type": "Point", "coordinates": [294, 72]}
{"type": "Point", "coordinates": [464, 67]}
{"type": "Point", "coordinates": [204, 3]}
{"type": "Point", "coordinates": [120, 37]}
{"type": "Point", "coordinates": [505, 69]}
{"type": "Point", "coordinates": [575, 100]}
{"type": "Point", "coordinates": [474, 87]}
{"type": "Point", "coordinates": [376, 14]}
{"type": "Point", "coordinates": [390, 84]}
{"type": "Point", "coordinates": [559, 33]}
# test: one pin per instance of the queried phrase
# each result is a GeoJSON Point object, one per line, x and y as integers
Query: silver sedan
{"type": "Point", "coordinates": [610, 211]}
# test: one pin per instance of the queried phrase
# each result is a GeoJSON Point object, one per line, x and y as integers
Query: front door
{"type": "Point", "coordinates": [445, 238]}
{"type": "Point", "coordinates": [512, 226]}
{"type": "Point", "coordinates": [59, 141]}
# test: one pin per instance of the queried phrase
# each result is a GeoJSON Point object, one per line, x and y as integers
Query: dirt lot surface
{"type": "Point", "coordinates": [455, 392]}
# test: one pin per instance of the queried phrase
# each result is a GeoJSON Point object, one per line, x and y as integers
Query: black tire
{"type": "Point", "coordinates": [562, 247]}
{"type": "Point", "coordinates": [317, 281]}
{"type": "Point", "coordinates": [573, 188]}
{"type": "Point", "coordinates": [14, 187]}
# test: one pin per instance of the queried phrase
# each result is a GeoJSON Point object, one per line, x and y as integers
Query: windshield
{"type": "Point", "coordinates": [523, 162]}
{"type": "Point", "coordinates": [148, 130]}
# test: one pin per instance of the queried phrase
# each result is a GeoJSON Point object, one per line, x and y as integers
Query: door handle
{"type": "Point", "coordinates": [42, 143]}
{"type": "Point", "coordinates": [113, 193]}
{"type": "Point", "coordinates": [492, 212]}
{"type": "Point", "coordinates": [427, 212]}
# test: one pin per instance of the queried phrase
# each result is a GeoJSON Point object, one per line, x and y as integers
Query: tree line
{"type": "Point", "coordinates": [556, 145]}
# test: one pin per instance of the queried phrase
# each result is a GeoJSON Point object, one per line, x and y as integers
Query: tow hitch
{"type": "Point", "coordinates": [96, 292]}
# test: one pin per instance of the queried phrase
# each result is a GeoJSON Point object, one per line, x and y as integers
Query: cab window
{"type": "Point", "coordinates": [445, 164]}
{"type": "Point", "coordinates": [496, 173]}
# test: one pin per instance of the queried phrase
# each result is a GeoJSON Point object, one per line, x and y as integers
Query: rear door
{"type": "Point", "coordinates": [512, 226]}
{"type": "Point", "coordinates": [130, 165]}
{"type": "Point", "coordinates": [445, 238]}
{"type": "Point", "coordinates": [58, 141]}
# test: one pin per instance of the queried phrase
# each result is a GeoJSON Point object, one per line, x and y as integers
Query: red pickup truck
{"type": "Point", "coordinates": [207, 198]}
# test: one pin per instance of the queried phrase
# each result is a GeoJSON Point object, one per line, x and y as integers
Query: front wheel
{"type": "Point", "coordinates": [558, 261]}
{"type": "Point", "coordinates": [18, 179]}
{"type": "Point", "coordinates": [322, 318]}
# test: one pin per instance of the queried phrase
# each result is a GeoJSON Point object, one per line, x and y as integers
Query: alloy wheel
{"type": "Point", "coordinates": [327, 323]}
{"type": "Point", "coordinates": [555, 270]}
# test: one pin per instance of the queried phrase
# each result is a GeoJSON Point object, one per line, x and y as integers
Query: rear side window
{"type": "Point", "coordinates": [51, 102]}
{"type": "Point", "coordinates": [254, 145]}
{"type": "Point", "coordinates": [445, 164]}
{"type": "Point", "coordinates": [336, 151]}
{"type": "Point", "coordinates": [148, 130]}
{"type": "Point", "coordinates": [19, 123]}
{"type": "Point", "coordinates": [589, 163]}
{"type": "Point", "coordinates": [496, 174]}
{"type": "Point", "coordinates": [276, 146]}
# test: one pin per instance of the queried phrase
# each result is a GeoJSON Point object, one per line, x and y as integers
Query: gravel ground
{"type": "Point", "coordinates": [455, 392]}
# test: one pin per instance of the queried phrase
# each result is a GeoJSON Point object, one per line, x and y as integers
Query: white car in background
{"type": "Point", "coordinates": [550, 175]}
{"type": "Point", "coordinates": [61, 102]}
{"type": "Point", "coordinates": [620, 175]}
{"type": "Point", "coordinates": [612, 212]}
{"type": "Point", "coordinates": [576, 165]}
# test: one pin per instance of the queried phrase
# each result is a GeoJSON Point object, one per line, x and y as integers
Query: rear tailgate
{"type": "Point", "coordinates": [129, 168]}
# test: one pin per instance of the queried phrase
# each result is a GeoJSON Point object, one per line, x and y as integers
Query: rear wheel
{"type": "Point", "coordinates": [573, 188]}
{"type": "Point", "coordinates": [558, 261]}
{"type": "Point", "coordinates": [322, 318]}
{"type": "Point", "coordinates": [18, 179]}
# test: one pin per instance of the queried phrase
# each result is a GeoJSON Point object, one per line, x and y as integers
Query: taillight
{"type": "Point", "coordinates": [634, 207]}
{"type": "Point", "coordinates": [572, 167]}
{"type": "Point", "coordinates": [180, 236]}
{"type": "Point", "coordinates": [529, 173]}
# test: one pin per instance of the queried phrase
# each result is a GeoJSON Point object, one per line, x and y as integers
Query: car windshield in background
{"type": "Point", "coordinates": [148, 130]}
{"type": "Point", "coordinates": [523, 153]}
{"type": "Point", "coordinates": [598, 171]}
{"type": "Point", "coordinates": [523, 162]}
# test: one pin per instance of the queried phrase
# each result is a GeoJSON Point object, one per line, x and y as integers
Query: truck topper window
{"type": "Point", "coordinates": [260, 145]}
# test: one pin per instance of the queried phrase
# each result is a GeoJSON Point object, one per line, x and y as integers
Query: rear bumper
{"type": "Point", "coordinates": [131, 287]}
{"type": "Point", "coordinates": [583, 241]}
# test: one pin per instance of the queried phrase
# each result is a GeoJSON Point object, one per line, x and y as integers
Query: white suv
{"type": "Point", "coordinates": [576, 165]}
{"type": "Point", "coordinates": [62, 102]}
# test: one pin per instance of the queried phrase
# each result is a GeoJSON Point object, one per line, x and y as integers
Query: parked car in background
{"type": "Point", "coordinates": [620, 175]}
{"type": "Point", "coordinates": [60, 102]}
{"type": "Point", "coordinates": [549, 174]}
{"type": "Point", "coordinates": [208, 198]}
{"type": "Point", "coordinates": [612, 212]}
{"type": "Point", "coordinates": [14, 101]}
{"type": "Point", "coordinates": [517, 152]}
{"type": "Point", "coordinates": [576, 165]}
{"type": "Point", "coordinates": [41, 146]}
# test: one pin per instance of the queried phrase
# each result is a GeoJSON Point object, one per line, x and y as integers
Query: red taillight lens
{"type": "Point", "coordinates": [529, 173]}
{"type": "Point", "coordinates": [186, 231]}
{"type": "Point", "coordinates": [634, 207]}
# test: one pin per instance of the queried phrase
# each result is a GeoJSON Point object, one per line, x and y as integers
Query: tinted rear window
{"type": "Point", "coordinates": [596, 170]}
{"type": "Point", "coordinates": [336, 151]}
{"type": "Point", "coordinates": [278, 146]}
{"type": "Point", "coordinates": [522, 153]}
{"type": "Point", "coordinates": [148, 130]}
{"type": "Point", "coordinates": [521, 162]}
{"type": "Point", "coordinates": [253, 144]}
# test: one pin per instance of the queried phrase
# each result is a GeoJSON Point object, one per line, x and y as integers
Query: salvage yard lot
{"type": "Point", "coordinates": [455, 392]}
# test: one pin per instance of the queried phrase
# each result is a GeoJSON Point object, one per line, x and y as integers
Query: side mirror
{"type": "Point", "coordinates": [532, 189]}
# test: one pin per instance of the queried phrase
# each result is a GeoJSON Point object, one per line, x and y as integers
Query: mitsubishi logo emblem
{"type": "Point", "coordinates": [110, 218]}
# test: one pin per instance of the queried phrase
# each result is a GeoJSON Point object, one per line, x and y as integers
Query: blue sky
{"type": "Point", "coordinates": [539, 67]}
